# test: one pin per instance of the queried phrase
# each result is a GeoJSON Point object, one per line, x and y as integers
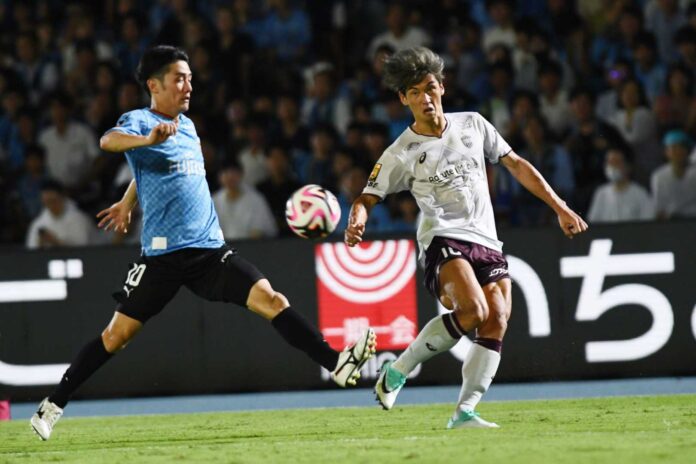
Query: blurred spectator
{"type": "Point", "coordinates": [523, 57]}
{"type": "Point", "coordinates": [502, 31]}
{"type": "Point", "coordinates": [60, 223]}
{"type": "Point", "coordinates": [554, 164]}
{"type": "Point", "coordinates": [80, 28]}
{"type": "Point", "coordinates": [352, 184]}
{"type": "Point", "coordinates": [608, 101]}
{"type": "Point", "coordinates": [30, 181]}
{"type": "Point", "coordinates": [672, 108]}
{"type": "Point", "coordinates": [399, 34]}
{"type": "Point", "coordinates": [376, 141]}
{"type": "Point", "coordinates": [235, 54]}
{"type": "Point", "coordinates": [285, 30]}
{"type": "Point", "coordinates": [131, 44]}
{"type": "Point", "coordinates": [663, 18]}
{"type": "Point", "coordinates": [13, 99]}
{"type": "Point", "coordinates": [617, 43]}
{"type": "Point", "coordinates": [685, 42]}
{"type": "Point", "coordinates": [587, 144]}
{"type": "Point", "coordinates": [524, 105]}
{"type": "Point", "coordinates": [315, 167]}
{"type": "Point", "coordinates": [241, 209]}
{"type": "Point", "coordinates": [280, 184]}
{"type": "Point", "coordinates": [38, 73]}
{"type": "Point", "coordinates": [620, 199]}
{"type": "Point", "coordinates": [252, 157]}
{"type": "Point", "coordinates": [553, 101]}
{"type": "Point", "coordinates": [290, 131]}
{"type": "Point", "coordinates": [71, 147]}
{"type": "Point", "coordinates": [648, 69]}
{"type": "Point", "coordinates": [497, 107]}
{"type": "Point", "coordinates": [324, 105]}
{"type": "Point", "coordinates": [674, 184]}
{"type": "Point", "coordinates": [637, 125]}
{"type": "Point", "coordinates": [467, 57]}
{"type": "Point", "coordinates": [23, 134]}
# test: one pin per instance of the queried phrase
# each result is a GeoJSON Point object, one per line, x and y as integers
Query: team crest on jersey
{"type": "Point", "coordinates": [466, 140]}
{"type": "Point", "coordinates": [412, 146]}
{"type": "Point", "coordinates": [375, 172]}
{"type": "Point", "coordinates": [421, 160]}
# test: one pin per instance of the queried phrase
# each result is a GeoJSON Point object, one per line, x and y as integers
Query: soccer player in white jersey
{"type": "Point", "coordinates": [440, 159]}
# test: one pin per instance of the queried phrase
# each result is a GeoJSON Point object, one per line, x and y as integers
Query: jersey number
{"type": "Point", "coordinates": [135, 274]}
{"type": "Point", "coordinates": [447, 252]}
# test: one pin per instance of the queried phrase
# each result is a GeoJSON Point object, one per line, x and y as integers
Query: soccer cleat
{"type": "Point", "coordinates": [388, 385]}
{"type": "Point", "coordinates": [353, 358]}
{"type": "Point", "coordinates": [45, 418]}
{"type": "Point", "coordinates": [470, 419]}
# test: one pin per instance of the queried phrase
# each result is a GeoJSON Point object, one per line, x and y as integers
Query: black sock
{"type": "Point", "coordinates": [92, 356]}
{"type": "Point", "coordinates": [298, 332]}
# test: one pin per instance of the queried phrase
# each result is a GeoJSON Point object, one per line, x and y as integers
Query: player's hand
{"type": "Point", "coordinates": [162, 131]}
{"type": "Point", "coordinates": [571, 223]}
{"type": "Point", "coordinates": [354, 233]}
{"type": "Point", "coordinates": [116, 217]}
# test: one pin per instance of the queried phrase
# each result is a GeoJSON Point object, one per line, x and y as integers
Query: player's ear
{"type": "Point", "coordinates": [153, 85]}
{"type": "Point", "coordinates": [402, 97]}
{"type": "Point", "coordinates": [442, 88]}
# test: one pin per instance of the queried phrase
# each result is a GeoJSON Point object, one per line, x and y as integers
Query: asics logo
{"type": "Point", "coordinates": [421, 160]}
{"type": "Point", "coordinates": [430, 347]}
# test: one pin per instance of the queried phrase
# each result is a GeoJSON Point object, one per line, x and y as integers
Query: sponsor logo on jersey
{"type": "Point", "coordinates": [421, 160]}
{"type": "Point", "coordinates": [188, 167]}
{"type": "Point", "coordinates": [375, 172]}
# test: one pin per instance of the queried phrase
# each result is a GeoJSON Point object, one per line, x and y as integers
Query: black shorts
{"type": "Point", "coordinates": [216, 274]}
{"type": "Point", "coordinates": [489, 265]}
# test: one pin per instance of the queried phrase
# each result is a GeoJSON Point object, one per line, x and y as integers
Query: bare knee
{"type": "Point", "coordinates": [116, 339]}
{"type": "Point", "coordinates": [471, 313]}
{"type": "Point", "coordinates": [265, 301]}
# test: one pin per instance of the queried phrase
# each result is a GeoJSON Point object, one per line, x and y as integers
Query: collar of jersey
{"type": "Point", "coordinates": [162, 115]}
{"type": "Point", "coordinates": [432, 136]}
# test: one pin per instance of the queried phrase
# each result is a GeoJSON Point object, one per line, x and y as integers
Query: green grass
{"type": "Point", "coordinates": [635, 430]}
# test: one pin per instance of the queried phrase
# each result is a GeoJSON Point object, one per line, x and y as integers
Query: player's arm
{"type": "Point", "coordinates": [118, 215]}
{"type": "Point", "coordinates": [117, 141]}
{"type": "Point", "coordinates": [571, 223]}
{"type": "Point", "coordinates": [357, 218]}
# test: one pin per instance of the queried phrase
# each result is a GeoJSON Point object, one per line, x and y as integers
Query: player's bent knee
{"type": "Point", "coordinates": [116, 340]}
{"type": "Point", "coordinates": [471, 313]}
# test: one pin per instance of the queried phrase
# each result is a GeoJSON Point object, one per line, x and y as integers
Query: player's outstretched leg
{"type": "Point", "coordinates": [438, 335]}
{"type": "Point", "coordinates": [482, 360]}
{"type": "Point", "coordinates": [299, 333]}
{"type": "Point", "coordinates": [93, 355]}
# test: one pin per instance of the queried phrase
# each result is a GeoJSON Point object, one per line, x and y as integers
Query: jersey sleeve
{"type": "Point", "coordinates": [129, 123]}
{"type": "Point", "coordinates": [388, 176]}
{"type": "Point", "coordinates": [494, 145]}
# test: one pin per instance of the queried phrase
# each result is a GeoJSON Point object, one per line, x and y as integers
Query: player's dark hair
{"type": "Point", "coordinates": [408, 67]}
{"type": "Point", "coordinates": [155, 62]}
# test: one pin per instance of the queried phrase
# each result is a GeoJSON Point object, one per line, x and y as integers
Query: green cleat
{"type": "Point", "coordinates": [388, 385]}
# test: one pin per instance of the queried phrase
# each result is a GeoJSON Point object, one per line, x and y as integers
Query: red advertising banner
{"type": "Point", "coordinates": [372, 284]}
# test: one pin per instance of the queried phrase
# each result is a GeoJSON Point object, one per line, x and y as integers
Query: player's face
{"type": "Point", "coordinates": [424, 99]}
{"type": "Point", "coordinates": [173, 93]}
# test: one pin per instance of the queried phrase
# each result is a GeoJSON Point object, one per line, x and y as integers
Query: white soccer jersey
{"type": "Point", "coordinates": [447, 177]}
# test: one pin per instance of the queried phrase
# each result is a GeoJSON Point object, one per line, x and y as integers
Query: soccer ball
{"type": "Point", "coordinates": [312, 212]}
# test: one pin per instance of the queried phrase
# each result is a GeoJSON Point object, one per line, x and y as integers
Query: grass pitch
{"type": "Point", "coordinates": [660, 429]}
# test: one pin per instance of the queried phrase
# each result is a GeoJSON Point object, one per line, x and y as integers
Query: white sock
{"type": "Point", "coordinates": [478, 370]}
{"type": "Point", "coordinates": [438, 335]}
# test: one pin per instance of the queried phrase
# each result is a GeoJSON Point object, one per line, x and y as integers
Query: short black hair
{"type": "Point", "coordinates": [155, 61]}
{"type": "Point", "coordinates": [51, 185]}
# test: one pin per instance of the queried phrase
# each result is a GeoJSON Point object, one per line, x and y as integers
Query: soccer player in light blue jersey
{"type": "Point", "coordinates": [182, 243]}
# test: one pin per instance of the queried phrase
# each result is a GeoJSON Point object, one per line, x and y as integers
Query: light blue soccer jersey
{"type": "Point", "coordinates": [178, 211]}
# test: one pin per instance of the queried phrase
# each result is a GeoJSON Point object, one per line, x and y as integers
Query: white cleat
{"type": "Point", "coordinates": [388, 386]}
{"type": "Point", "coordinates": [353, 358]}
{"type": "Point", "coordinates": [45, 418]}
{"type": "Point", "coordinates": [470, 419]}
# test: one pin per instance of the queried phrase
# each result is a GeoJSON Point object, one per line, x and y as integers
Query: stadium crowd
{"type": "Point", "coordinates": [597, 94]}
